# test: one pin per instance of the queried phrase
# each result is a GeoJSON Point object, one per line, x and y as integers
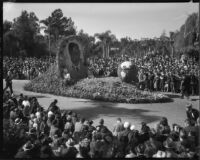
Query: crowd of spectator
{"type": "Point", "coordinates": [156, 72]}
{"type": "Point", "coordinates": [26, 67]}
{"type": "Point", "coordinates": [30, 131]}
{"type": "Point", "coordinates": [105, 67]}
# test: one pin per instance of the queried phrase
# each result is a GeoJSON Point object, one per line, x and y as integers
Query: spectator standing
{"type": "Point", "coordinates": [192, 114]}
{"type": "Point", "coordinates": [9, 82]}
{"type": "Point", "coordinates": [118, 128]}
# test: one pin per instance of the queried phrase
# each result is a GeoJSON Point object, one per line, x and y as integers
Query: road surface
{"type": "Point", "coordinates": [134, 113]}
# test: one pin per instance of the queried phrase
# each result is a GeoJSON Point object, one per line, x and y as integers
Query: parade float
{"type": "Point", "coordinates": [69, 77]}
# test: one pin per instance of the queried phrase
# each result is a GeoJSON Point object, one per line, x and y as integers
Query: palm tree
{"type": "Point", "coordinates": [106, 39]}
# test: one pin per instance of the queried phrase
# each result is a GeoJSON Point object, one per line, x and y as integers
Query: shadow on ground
{"type": "Point", "coordinates": [195, 99]}
{"type": "Point", "coordinates": [37, 96]}
{"type": "Point", "coordinates": [109, 110]}
{"type": "Point", "coordinates": [171, 95]}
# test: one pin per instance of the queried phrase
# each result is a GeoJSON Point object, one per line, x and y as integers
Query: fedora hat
{"type": "Point", "coordinates": [70, 142]}
{"type": "Point", "coordinates": [18, 121]}
{"type": "Point", "coordinates": [28, 146]}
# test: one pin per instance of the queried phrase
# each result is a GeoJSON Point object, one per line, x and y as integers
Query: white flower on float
{"type": "Point", "coordinates": [132, 127]}
{"type": "Point", "coordinates": [123, 74]}
{"type": "Point", "coordinates": [67, 76]}
{"type": "Point", "coordinates": [126, 65]}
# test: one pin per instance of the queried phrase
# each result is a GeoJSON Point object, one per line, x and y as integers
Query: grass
{"type": "Point", "coordinates": [110, 89]}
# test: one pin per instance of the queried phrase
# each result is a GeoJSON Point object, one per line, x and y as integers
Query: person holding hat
{"type": "Point", "coordinates": [192, 113]}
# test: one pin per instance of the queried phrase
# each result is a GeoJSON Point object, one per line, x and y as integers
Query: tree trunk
{"type": "Point", "coordinates": [103, 50]}
{"type": "Point", "coordinates": [108, 51]}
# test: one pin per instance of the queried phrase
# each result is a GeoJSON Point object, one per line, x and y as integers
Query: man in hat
{"type": "Point", "coordinates": [53, 106]}
{"type": "Point", "coordinates": [101, 125]}
{"type": "Point", "coordinates": [8, 82]}
{"type": "Point", "coordinates": [192, 113]}
{"type": "Point", "coordinates": [118, 127]}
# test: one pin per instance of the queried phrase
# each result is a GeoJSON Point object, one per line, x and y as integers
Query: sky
{"type": "Point", "coordinates": [135, 20]}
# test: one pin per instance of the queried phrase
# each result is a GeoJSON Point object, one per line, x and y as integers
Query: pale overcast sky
{"type": "Point", "coordinates": [135, 20]}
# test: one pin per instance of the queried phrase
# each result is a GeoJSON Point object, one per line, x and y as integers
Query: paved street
{"type": "Point", "coordinates": [134, 113]}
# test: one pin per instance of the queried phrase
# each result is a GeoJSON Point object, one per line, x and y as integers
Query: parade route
{"type": "Point", "coordinates": [134, 113]}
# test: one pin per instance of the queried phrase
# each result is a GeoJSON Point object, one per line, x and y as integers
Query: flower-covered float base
{"type": "Point", "coordinates": [110, 89]}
